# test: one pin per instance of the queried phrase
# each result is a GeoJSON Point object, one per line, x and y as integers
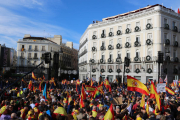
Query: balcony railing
{"type": "Point", "coordinates": [30, 49]}
{"type": "Point", "coordinates": [35, 49]}
{"type": "Point", "coordinates": [22, 57]}
{"type": "Point", "coordinates": [82, 63]}
{"type": "Point", "coordinates": [84, 52]}
{"type": "Point", "coordinates": [29, 57]}
{"type": "Point", "coordinates": [175, 29]}
{"type": "Point", "coordinates": [43, 50]}
{"type": "Point", "coordinates": [166, 26]}
{"type": "Point", "coordinates": [35, 58]}
{"type": "Point", "coordinates": [82, 44]}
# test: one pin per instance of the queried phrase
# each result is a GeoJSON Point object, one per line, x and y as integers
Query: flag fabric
{"type": "Point", "coordinates": [40, 85]}
{"type": "Point", "coordinates": [109, 114]}
{"type": "Point", "coordinates": [165, 80]}
{"type": "Point", "coordinates": [69, 99]}
{"type": "Point", "coordinates": [83, 94]}
{"type": "Point", "coordinates": [90, 88]}
{"type": "Point", "coordinates": [91, 82]}
{"type": "Point", "coordinates": [160, 80]}
{"type": "Point", "coordinates": [143, 101]}
{"type": "Point", "coordinates": [147, 108]}
{"type": "Point", "coordinates": [152, 90]}
{"type": "Point", "coordinates": [97, 94]}
{"type": "Point", "coordinates": [45, 92]}
{"type": "Point", "coordinates": [158, 100]}
{"type": "Point", "coordinates": [100, 88]}
{"type": "Point", "coordinates": [78, 82]}
{"type": "Point", "coordinates": [33, 76]}
{"type": "Point", "coordinates": [178, 11]}
{"type": "Point", "coordinates": [172, 84]}
{"type": "Point", "coordinates": [43, 77]}
{"type": "Point", "coordinates": [30, 85]}
{"type": "Point", "coordinates": [178, 84]}
{"type": "Point", "coordinates": [169, 91]}
{"type": "Point", "coordinates": [116, 80]}
{"type": "Point", "coordinates": [107, 85]}
{"type": "Point", "coordinates": [52, 81]}
{"type": "Point", "coordinates": [81, 102]}
{"type": "Point", "coordinates": [135, 85]}
{"type": "Point", "coordinates": [22, 49]}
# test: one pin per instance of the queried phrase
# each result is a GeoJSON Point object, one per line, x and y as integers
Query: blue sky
{"type": "Point", "coordinates": [68, 18]}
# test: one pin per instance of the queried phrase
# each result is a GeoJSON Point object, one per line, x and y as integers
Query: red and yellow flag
{"type": "Point", "coordinates": [83, 94]}
{"type": "Point", "coordinates": [143, 101]}
{"type": "Point", "coordinates": [69, 99]}
{"type": "Point", "coordinates": [158, 100]}
{"type": "Point", "coordinates": [91, 82]}
{"type": "Point", "coordinates": [147, 108]}
{"type": "Point", "coordinates": [109, 114]}
{"type": "Point", "coordinates": [22, 49]}
{"type": "Point", "coordinates": [152, 90]}
{"type": "Point", "coordinates": [30, 85]}
{"type": "Point", "coordinates": [33, 76]}
{"type": "Point", "coordinates": [81, 102]}
{"type": "Point", "coordinates": [107, 85]}
{"type": "Point", "coordinates": [40, 85]}
{"type": "Point", "coordinates": [90, 88]}
{"type": "Point", "coordinates": [171, 92]}
{"type": "Point", "coordinates": [135, 85]}
{"type": "Point", "coordinates": [52, 81]}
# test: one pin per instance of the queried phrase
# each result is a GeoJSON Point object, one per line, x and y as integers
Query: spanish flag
{"type": "Point", "coordinates": [81, 102]}
{"type": "Point", "coordinates": [169, 91]}
{"type": "Point", "coordinates": [30, 85]}
{"type": "Point", "coordinates": [40, 85]}
{"type": "Point", "coordinates": [91, 82]}
{"type": "Point", "coordinates": [22, 49]}
{"type": "Point", "coordinates": [158, 100]}
{"type": "Point", "coordinates": [33, 76]}
{"type": "Point", "coordinates": [152, 90]}
{"type": "Point", "coordinates": [135, 85]}
{"type": "Point", "coordinates": [69, 99]}
{"type": "Point", "coordinates": [90, 88]}
{"type": "Point", "coordinates": [107, 85]}
{"type": "Point", "coordinates": [172, 84]}
{"type": "Point", "coordinates": [147, 108]}
{"type": "Point", "coordinates": [143, 101]}
{"type": "Point", "coordinates": [110, 113]}
{"type": "Point", "coordinates": [83, 94]}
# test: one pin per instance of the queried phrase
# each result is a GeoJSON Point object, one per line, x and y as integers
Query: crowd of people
{"type": "Point", "coordinates": [63, 102]}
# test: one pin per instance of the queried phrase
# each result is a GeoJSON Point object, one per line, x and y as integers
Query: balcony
{"type": "Point", "coordinates": [102, 48]}
{"type": "Point", "coordinates": [94, 37]}
{"type": "Point", "coordinates": [111, 34]}
{"type": "Point", "coordinates": [175, 44]}
{"type": "Point", "coordinates": [103, 35]}
{"type": "Point", "coordinates": [35, 58]}
{"type": "Point", "coordinates": [35, 49]}
{"type": "Point", "coordinates": [102, 61]}
{"type": "Point", "coordinates": [22, 57]}
{"type": "Point", "coordinates": [42, 58]}
{"type": "Point", "coordinates": [30, 49]}
{"type": "Point", "coordinates": [167, 42]}
{"type": "Point", "coordinates": [43, 50]}
{"type": "Point", "coordinates": [166, 26]}
{"type": "Point", "coordinates": [118, 46]}
{"type": "Point", "coordinates": [92, 61]}
{"type": "Point", "coordinates": [83, 43]}
{"type": "Point", "coordinates": [29, 58]}
{"type": "Point", "coordinates": [149, 26]}
{"type": "Point", "coordinates": [110, 47]}
{"type": "Point", "coordinates": [83, 63]}
{"type": "Point", "coordinates": [94, 49]}
{"type": "Point", "coordinates": [137, 44]}
{"type": "Point", "coordinates": [137, 29]}
{"type": "Point", "coordinates": [149, 42]}
{"type": "Point", "coordinates": [175, 29]}
{"type": "Point", "coordinates": [137, 59]}
{"type": "Point", "coordinates": [127, 45]}
{"type": "Point", "coordinates": [83, 53]}
{"type": "Point", "coordinates": [110, 60]}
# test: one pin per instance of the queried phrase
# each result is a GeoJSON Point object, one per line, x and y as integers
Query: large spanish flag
{"type": "Point", "coordinates": [90, 88]}
{"type": "Point", "coordinates": [169, 91]}
{"type": "Point", "coordinates": [33, 76]}
{"type": "Point", "coordinates": [83, 94]}
{"type": "Point", "coordinates": [143, 101]}
{"type": "Point", "coordinates": [152, 90]}
{"type": "Point", "coordinates": [158, 100]}
{"type": "Point", "coordinates": [135, 85]}
{"type": "Point", "coordinates": [110, 113]}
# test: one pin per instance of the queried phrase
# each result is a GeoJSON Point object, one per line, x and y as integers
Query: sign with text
{"type": "Point", "coordinates": [161, 87]}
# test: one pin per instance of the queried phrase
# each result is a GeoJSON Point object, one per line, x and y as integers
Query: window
{"type": "Point", "coordinates": [111, 29]}
{"type": "Point", "coordinates": [137, 53]}
{"type": "Point", "coordinates": [128, 39]}
{"type": "Point", "coordinates": [119, 27]}
{"type": "Point", "coordinates": [111, 42]}
{"type": "Point", "coordinates": [29, 55]}
{"type": "Point", "coordinates": [138, 38]}
{"type": "Point", "coordinates": [128, 54]}
{"type": "Point", "coordinates": [43, 48]}
{"type": "Point", "coordinates": [22, 54]}
{"type": "Point", "coordinates": [149, 52]}
{"type": "Point", "coordinates": [94, 44]}
{"type": "Point", "coordinates": [103, 43]}
{"type": "Point", "coordinates": [174, 38]}
{"type": "Point", "coordinates": [119, 55]}
{"type": "Point", "coordinates": [149, 36]}
{"type": "Point", "coordinates": [22, 62]}
{"type": "Point", "coordinates": [30, 47]}
{"type": "Point", "coordinates": [174, 54]}
{"type": "Point", "coordinates": [104, 31]}
{"type": "Point", "coordinates": [173, 24]}
{"type": "Point", "coordinates": [138, 24]}
{"type": "Point", "coordinates": [110, 55]}
{"type": "Point", "coordinates": [128, 26]}
{"type": "Point", "coordinates": [36, 47]}
{"type": "Point", "coordinates": [22, 46]}
{"type": "Point", "coordinates": [94, 33]}
{"type": "Point", "coordinates": [103, 56]}
{"type": "Point", "coordinates": [149, 21]}
{"type": "Point", "coordinates": [35, 55]}
{"type": "Point", "coordinates": [119, 41]}
{"type": "Point", "coordinates": [165, 21]}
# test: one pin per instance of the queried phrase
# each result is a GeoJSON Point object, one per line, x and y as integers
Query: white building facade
{"type": "Point", "coordinates": [138, 35]}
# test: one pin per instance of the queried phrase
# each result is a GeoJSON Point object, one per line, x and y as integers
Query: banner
{"type": "Point", "coordinates": [161, 87]}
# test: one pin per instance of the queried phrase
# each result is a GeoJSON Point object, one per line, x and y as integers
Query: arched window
{"type": "Point", "coordinates": [137, 53]}
{"type": "Point", "coordinates": [128, 53]}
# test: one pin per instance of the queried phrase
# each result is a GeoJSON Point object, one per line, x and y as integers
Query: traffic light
{"type": "Point", "coordinates": [56, 58]}
{"type": "Point", "coordinates": [47, 57]}
{"type": "Point", "coordinates": [160, 57]}
{"type": "Point", "coordinates": [126, 61]}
